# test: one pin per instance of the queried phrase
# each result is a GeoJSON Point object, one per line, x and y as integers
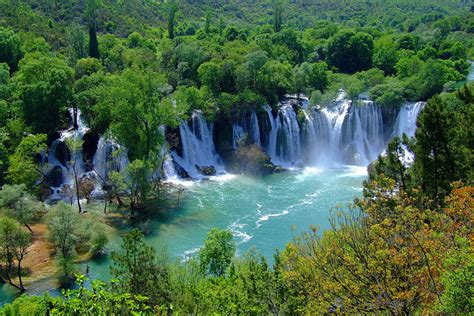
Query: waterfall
{"type": "Point", "coordinates": [272, 137]}
{"type": "Point", "coordinates": [109, 156]}
{"type": "Point", "coordinates": [237, 134]}
{"type": "Point", "coordinates": [169, 170]}
{"type": "Point", "coordinates": [66, 177]}
{"type": "Point", "coordinates": [198, 146]}
{"type": "Point", "coordinates": [406, 119]}
{"type": "Point", "coordinates": [290, 147]}
{"type": "Point", "coordinates": [342, 133]}
{"type": "Point", "coordinates": [316, 138]}
{"type": "Point", "coordinates": [362, 135]}
{"type": "Point", "coordinates": [255, 129]}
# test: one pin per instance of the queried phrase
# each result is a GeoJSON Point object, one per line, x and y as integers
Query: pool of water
{"type": "Point", "coordinates": [259, 212]}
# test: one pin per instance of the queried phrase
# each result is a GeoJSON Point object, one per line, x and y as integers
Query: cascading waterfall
{"type": "Point", "coordinates": [316, 138]}
{"type": "Point", "coordinates": [406, 119]}
{"type": "Point", "coordinates": [273, 133]}
{"type": "Point", "coordinates": [197, 146]}
{"type": "Point", "coordinates": [109, 156]}
{"type": "Point", "coordinates": [237, 134]}
{"type": "Point", "coordinates": [289, 148]}
{"type": "Point", "coordinates": [362, 136]}
{"type": "Point", "coordinates": [406, 124]}
{"type": "Point", "coordinates": [255, 129]}
{"type": "Point", "coordinates": [67, 175]}
{"type": "Point", "coordinates": [342, 133]}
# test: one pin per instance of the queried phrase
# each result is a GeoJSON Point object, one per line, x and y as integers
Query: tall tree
{"type": "Point", "coordinates": [10, 48]}
{"type": "Point", "coordinates": [277, 15]}
{"type": "Point", "coordinates": [44, 87]}
{"type": "Point", "coordinates": [217, 253]}
{"type": "Point", "coordinates": [17, 203]}
{"type": "Point", "coordinates": [14, 242]}
{"type": "Point", "coordinates": [64, 232]}
{"type": "Point", "coordinates": [24, 168]}
{"type": "Point", "coordinates": [138, 270]}
{"type": "Point", "coordinates": [91, 16]}
{"type": "Point", "coordinates": [172, 10]}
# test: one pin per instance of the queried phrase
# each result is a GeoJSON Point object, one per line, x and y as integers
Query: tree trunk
{"type": "Point", "coordinates": [29, 228]}
{"type": "Point", "coordinates": [22, 288]}
{"type": "Point", "coordinates": [76, 184]}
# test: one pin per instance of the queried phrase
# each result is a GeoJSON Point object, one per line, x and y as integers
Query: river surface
{"type": "Point", "coordinates": [259, 212]}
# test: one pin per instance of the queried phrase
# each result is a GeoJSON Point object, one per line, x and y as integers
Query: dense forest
{"type": "Point", "coordinates": [133, 71]}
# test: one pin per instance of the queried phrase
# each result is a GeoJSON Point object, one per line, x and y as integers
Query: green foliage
{"type": "Point", "coordinates": [64, 231]}
{"type": "Point", "coordinates": [23, 168]}
{"type": "Point", "coordinates": [217, 253]}
{"type": "Point", "coordinates": [10, 48]}
{"type": "Point", "coordinates": [350, 51]}
{"type": "Point", "coordinates": [138, 271]}
{"type": "Point", "coordinates": [44, 87]}
{"type": "Point", "coordinates": [17, 203]}
{"type": "Point", "coordinates": [443, 154]}
{"type": "Point", "coordinates": [14, 242]}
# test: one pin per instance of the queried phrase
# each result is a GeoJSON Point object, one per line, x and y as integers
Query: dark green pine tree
{"type": "Point", "coordinates": [91, 14]}
{"type": "Point", "coordinates": [172, 9]}
{"type": "Point", "coordinates": [93, 43]}
{"type": "Point", "coordinates": [277, 17]}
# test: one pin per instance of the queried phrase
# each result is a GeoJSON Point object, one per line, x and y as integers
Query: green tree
{"type": "Point", "coordinates": [217, 253]}
{"type": "Point", "coordinates": [277, 15]}
{"type": "Point", "coordinates": [77, 42]}
{"type": "Point", "coordinates": [44, 87]}
{"type": "Point", "coordinates": [17, 203]}
{"type": "Point", "coordinates": [91, 16]}
{"type": "Point", "coordinates": [441, 149]}
{"type": "Point", "coordinates": [172, 9]}
{"type": "Point", "coordinates": [137, 104]}
{"type": "Point", "coordinates": [210, 75]}
{"type": "Point", "coordinates": [134, 182]}
{"type": "Point", "coordinates": [14, 242]}
{"type": "Point", "coordinates": [23, 168]}
{"type": "Point", "coordinates": [138, 271]}
{"type": "Point", "coordinates": [10, 48]}
{"type": "Point", "coordinates": [350, 51]}
{"type": "Point", "coordinates": [64, 232]}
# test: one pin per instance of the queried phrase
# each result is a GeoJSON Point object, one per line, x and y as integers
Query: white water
{"type": "Point", "coordinates": [406, 120]}
{"type": "Point", "coordinates": [255, 129]}
{"type": "Point", "coordinates": [75, 134]}
{"type": "Point", "coordinates": [197, 146]}
{"type": "Point", "coordinates": [108, 157]}
{"type": "Point", "coordinates": [341, 134]}
{"type": "Point", "coordinates": [237, 134]}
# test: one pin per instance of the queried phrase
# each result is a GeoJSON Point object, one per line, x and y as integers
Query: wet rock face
{"type": "Point", "coordinates": [180, 171]}
{"type": "Point", "coordinates": [45, 191]}
{"type": "Point", "coordinates": [54, 178]}
{"type": "Point", "coordinates": [174, 140]}
{"type": "Point", "coordinates": [89, 148]}
{"type": "Point", "coordinates": [223, 138]}
{"type": "Point", "coordinates": [62, 153]}
{"type": "Point", "coordinates": [52, 137]}
{"type": "Point", "coordinates": [207, 170]}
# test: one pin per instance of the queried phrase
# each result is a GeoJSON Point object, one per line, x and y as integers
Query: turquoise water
{"type": "Point", "coordinates": [259, 212]}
